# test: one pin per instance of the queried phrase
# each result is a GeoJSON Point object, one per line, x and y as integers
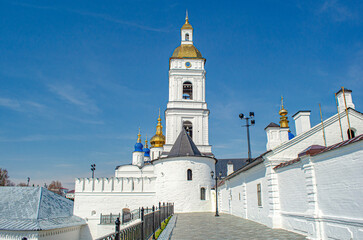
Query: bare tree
{"type": "Point", "coordinates": [56, 187]}
{"type": "Point", "coordinates": [4, 178]}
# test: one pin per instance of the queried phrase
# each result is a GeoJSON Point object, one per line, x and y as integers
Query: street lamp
{"type": "Point", "coordinates": [216, 178]}
{"type": "Point", "coordinates": [249, 122]}
{"type": "Point", "coordinates": [93, 168]}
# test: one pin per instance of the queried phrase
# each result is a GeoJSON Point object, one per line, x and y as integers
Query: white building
{"type": "Point", "coordinates": [311, 183]}
{"type": "Point", "coordinates": [31, 213]}
{"type": "Point", "coordinates": [177, 168]}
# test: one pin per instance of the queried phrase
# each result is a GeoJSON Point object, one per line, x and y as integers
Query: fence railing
{"type": "Point", "coordinates": [151, 219]}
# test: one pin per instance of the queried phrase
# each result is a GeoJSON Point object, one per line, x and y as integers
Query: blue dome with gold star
{"type": "Point", "coordinates": [138, 145]}
{"type": "Point", "coordinates": [146, 149]}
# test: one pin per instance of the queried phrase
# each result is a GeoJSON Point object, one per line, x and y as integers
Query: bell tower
{"type": "Point", "coordinates": [187, 107]}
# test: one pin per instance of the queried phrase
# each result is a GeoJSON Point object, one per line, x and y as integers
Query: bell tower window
{"type": "Point", "coordinates": [187, 37]}
{"type": "Point", "coordinates": [187, 90]}
{"type": "Point", "coordinates": [188, 126]}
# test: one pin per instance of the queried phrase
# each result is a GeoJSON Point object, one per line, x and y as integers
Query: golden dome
{"type": "Point", "coordinates": [186, 51]}
{"type": "Point", "coordinates": [158, 140]}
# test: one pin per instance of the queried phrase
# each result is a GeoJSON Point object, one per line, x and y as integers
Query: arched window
{"type": "Point", "coordinates": [188, 126]}
{"type": "Point", "coordinates": [351, 134]}
{"type": "Point", "coordinates": [202, 193]}
{"type": "Point", "coordinates": [187, 90]}
{"type": "Point", "coordinates": [189, 175]}
{"type": "Point", "coordinates": [187, 37]}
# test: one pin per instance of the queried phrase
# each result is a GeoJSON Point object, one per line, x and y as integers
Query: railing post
{"type": "Point", "coordinates": [159, 214]}
{"type": "Point", "coordinates": [101, 219]}
{"type": "Point", "coordinates": [142, 223]}
{"type": "Point", "coordinates": [117, 223]}
{"type": "Point", "coordinates": [110, 217]}
{"type": "Point", "coordinates": [153, 222]}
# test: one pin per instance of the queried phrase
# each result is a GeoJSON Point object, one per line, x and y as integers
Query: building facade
{"type": "Point", "coordinates": [177, 168]}
{"type": "Point", "coordinates": [306, 183]}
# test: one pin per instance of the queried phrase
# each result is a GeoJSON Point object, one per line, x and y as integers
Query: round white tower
{"type": "Point", "coordinates": [184, 177]}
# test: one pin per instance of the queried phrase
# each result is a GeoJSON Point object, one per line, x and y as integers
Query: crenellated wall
{"type": "Point", "coordinates": [115, 184]}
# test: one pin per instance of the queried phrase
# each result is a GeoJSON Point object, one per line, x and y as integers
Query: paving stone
{"type": "Point", "coordinates": [200, 226]}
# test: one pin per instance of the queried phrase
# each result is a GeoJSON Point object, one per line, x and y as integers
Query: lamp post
{"type": "Point", "coordinates": [93, 168]}
{"type": "Point", "coordinates": [216, 178]}
{"type": "Point", "coordinates": [249, 122]}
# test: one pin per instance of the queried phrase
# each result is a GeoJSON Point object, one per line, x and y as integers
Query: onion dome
{"type": "Point", "coordinates": [284, 123]}
{"type": "Point", "coordinates": [138, 145]}
{"type": "Point", "coordinates": [146, 149]}
{"type": "Point", "coordinates": [158, 140]}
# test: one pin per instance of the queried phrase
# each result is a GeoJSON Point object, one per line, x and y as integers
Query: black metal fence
{"type": "Point", "coordinates": [151, 219]}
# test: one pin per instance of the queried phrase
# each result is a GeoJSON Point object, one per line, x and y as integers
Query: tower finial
{"type": "Point", "coordinates": [139, 136]}
{"type": "Point", "coordinates": [146, 146]}
{"type": "Point", "coordinates": [284, 123]}
{"type": "Point", "coordinates": [186, 15]}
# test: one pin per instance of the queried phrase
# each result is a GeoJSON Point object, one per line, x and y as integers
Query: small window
{"type": "Point", "coordinates": [202, 193]}
{"type": "Point", "coordinates": [259, 200]}
{"type": "Point", "coordinates": [187, 90]}
{"type": "Point", "coordinates": [187, 37]}
{"type": "Point", "coordinates": [351, 133]}
{"type": "Point", "coordinates": [189, 175]}
{"type": "Point", "coordinates": [239, 196]}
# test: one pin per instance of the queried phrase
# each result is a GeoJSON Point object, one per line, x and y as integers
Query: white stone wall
{"type": "Point", "coordinates": [239, 195]}
{"type": "Point", "coordinates": [69, 233]}
{"type": "Point", "coordinates": [172, 184]}
{"type": "Point", "coordinates": [330, 207]}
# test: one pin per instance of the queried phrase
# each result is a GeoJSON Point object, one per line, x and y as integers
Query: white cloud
{"type": "Point", "coordinates": [76, 97]}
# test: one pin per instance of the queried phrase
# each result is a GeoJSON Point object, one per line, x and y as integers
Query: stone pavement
{"type": "Point", "coordinates": [193, 226]}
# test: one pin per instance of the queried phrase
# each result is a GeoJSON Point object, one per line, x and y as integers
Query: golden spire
{"type": "Point", "coordinates": [139, 136]}
{"type": "Point", "coordinates": [187, 24]}
{"type": "Point", "coordinates": [284, 123]}
{"type": "Point", "coordinates": [146, 146]}
{"type": "Point", "coordinates": [158, 140]}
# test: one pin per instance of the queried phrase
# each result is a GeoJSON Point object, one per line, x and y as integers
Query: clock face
{"type": "Point", "coordinates": [188, 64]}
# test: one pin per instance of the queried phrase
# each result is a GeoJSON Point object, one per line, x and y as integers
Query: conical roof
{"type": "Point", "coordinates": [184, 146]}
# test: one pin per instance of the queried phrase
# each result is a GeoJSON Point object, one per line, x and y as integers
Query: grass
{"type": "Point", "coordinates": [163, 225]}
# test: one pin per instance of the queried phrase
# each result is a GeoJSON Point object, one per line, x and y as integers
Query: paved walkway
{"type": "Point", "coordinates": [193, 226]}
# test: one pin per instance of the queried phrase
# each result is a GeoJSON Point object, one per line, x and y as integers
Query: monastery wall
{"type": "Point", "coordinates": [115, 184]}
{"type": "Point", "coordinates": [239, 195]}
{"type": "Point", "coordinates": [333, 194]}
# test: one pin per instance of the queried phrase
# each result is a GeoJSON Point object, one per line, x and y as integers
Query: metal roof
{"type": "Point", "coordinates": [184, 146]}
{"type": "Point", "coordinates": [221, 165]}
{"type": "Point", "coordinates": [35, 208]}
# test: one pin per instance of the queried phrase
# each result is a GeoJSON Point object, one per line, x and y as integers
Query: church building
{"type": "Point", "coordinates": [178, 166]}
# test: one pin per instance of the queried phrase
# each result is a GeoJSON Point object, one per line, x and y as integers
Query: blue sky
{"type": "Point", "coordinates": [79, 77]}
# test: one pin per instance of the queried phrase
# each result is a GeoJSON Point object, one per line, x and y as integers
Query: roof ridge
{"type": "Point", "coordinates": [40, 200]}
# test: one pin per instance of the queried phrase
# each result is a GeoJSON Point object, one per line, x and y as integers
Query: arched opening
{"type": "Point", "coordinates": [187, 37]}
{"type": "Point", "coordinates": [202, 193]}
{"type": "Point", "coordinates": [189, 175]}
{"type": "Point", "coordinates": [188, 126]}
{"type": "Point", "coordinates": [351, 133]}
{"type": "Point", "coordinates": [187, 90]}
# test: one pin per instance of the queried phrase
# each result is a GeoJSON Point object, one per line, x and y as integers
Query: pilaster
{"type": "Point", "coordinates": [273, 194]}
